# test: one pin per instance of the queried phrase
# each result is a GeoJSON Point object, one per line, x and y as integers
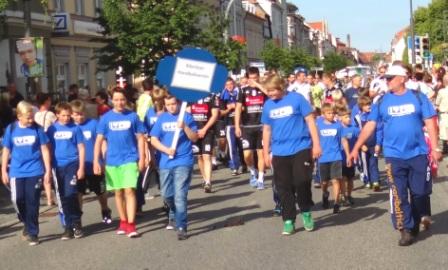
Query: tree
{"type": "Point", "coordinates": [139, 33]}
{"type": "Point", "coordinates": [333, 62]}
{"type": "Point", "coordinates": [430, 20]}
{"type": "Point", "coordinates": [272, 55]}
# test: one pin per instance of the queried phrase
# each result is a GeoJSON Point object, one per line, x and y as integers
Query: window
{"type": "Point", "coordinates": [100, 80]}
{"type": "Point", "coordinates": [98, 6]}
{"type": "Point", "coordinates": [62, 79]}
{"type": "Point", "coordinates": [59, 5]}
{"type": "Point", "coordinates": [79, 7]}
{"type": "Point", "coordinates": [83, 72]}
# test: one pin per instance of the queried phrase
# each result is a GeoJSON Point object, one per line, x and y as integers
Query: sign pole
{"type": "Point", "coordinates": [183, 108]}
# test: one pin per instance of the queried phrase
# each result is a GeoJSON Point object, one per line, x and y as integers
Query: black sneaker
{"type": "Point", "coordinates": [32, 240]}
{"type": "Point", "coordinates": [325, 202]}
{"type": "Point", "coordinates": [336, 209]}
{"type": "Point", "coordinates": [406, 238]}
{"type": "Point", "coordinates": [277, 210]}
{"type": "Point", "coordinates": [350, 200]}
{"type": "Point", "coordinates": [24, 234]}
{"type": "Point", "coordinates": [67, 235]}
{"type": "Point", "coordinates": [208, 188]}
{"type": "Point", "coordinates": [77, 231]}
{"type": "Point", "coordinates": [181, 234]}
{"type": "Point", "coordinates": [107, 218]}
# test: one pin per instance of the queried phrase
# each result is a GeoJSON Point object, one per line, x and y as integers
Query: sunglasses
{"type": "Point", "coordinates": [390, 78]}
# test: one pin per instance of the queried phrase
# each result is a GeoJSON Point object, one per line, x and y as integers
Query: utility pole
{"type": "Point", "coordinates": [412, 34]}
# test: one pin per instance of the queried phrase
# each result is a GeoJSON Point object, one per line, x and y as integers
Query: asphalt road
{"type": "Point", "coordinates": [234, 228]}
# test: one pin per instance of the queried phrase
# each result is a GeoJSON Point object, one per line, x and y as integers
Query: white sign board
{"type": "Point", "coordinates": [193, 74]}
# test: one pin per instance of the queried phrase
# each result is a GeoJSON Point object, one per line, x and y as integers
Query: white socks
{"type": "Point", "coordinates": [261, 177]}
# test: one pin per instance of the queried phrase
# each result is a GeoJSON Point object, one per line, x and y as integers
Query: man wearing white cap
{"type": "Point", "coordinates": [403, 113]}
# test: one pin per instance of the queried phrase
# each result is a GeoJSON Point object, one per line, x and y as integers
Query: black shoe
{"type": "Point", "coordinates": [181, 234]}
{"type": "Point", "coordinates": [24, 234]}
{"type": "Point", "coordinates": [77, 231]}
{"type": "Point", "coordinates": [32, 240]}
{"type": "Point", "coordinates": [406, 238]}
{"type": "Point", "coordinates": [336, 209]}
{"type": "Point", "coordinates": [165, 208]}
{"type": "Point", "coordinates": [208, 188]}
{"type": "Point", "coordinates": [214, 167]}
{"type": "Point", "coordinates": [277, 210]}
{"type": "Point", "coordinates": [107, 218]}
{"type": "Point", "coordinates": [416, 230]}
{"type": "Point", "coordinates": [244, 169]}
{"type": "Point", "coordinates": [67, 235]}
{"type": "Point", "coordinates": [350, 200]}
{"type": "Point", "coordinates": [325, 202]}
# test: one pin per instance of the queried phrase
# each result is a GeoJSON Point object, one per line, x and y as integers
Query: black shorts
{"type": "Point", "coordinates": [252, 138]}
{"type": "Point", "coordinates": [348, 172]}
{"type": "Point", "coordinates": [204, 145]}
{"type": "Point", "coordinates": [220, 129]}
{"type": "Point", "coordinates": [95, 183]}
{"type": "Point", "coordinates": [330, 170]}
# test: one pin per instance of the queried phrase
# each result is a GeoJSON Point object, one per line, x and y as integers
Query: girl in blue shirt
{"type": "Point", "coordinates": [25, 149]}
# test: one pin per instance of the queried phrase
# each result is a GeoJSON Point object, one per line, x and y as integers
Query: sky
{"type": "Point", "coordinates": [371, 24]}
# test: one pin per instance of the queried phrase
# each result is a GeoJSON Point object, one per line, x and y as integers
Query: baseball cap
{"type": "Point", "coordinates": [395, 70]}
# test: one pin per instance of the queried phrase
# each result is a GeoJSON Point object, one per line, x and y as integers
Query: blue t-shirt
{"type": "Point", "coordinates": [330, 140]}
{"type": "Point", "coordinates": [88, 129]}
{"type": "Point", "coordinates": [150, 119]}
{"type": "Point", "coordinates": [286, 117]}
{"type": "Point", "coordinates": [164, 131]}
{"type": "Point", "coordinates": [351, 133]}
{"type": "Point", "coordinates": [360, 119]}
{"type": "Point", "coordinates": [352, 95]}
{"type": "Point", "coordinates": [120, 130]}
{"type": "Point", "coordinates": [64, 141]}
{"type": "Point", "coordinates": [402, 117]}
{"type": "Point", "coordinates": [24, 145]}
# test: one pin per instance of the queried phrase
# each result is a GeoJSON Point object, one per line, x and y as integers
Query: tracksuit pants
{"type": "Point", "coordinates": [234, 162]}
{"type": "Point", "coordinates": [409, 177]}
{"type": "Point", "coordinates": [292, 177]}
{"type": "Point", "coordinates": [25, 196]}
{"type": "Point", "coordinates": [369, 162]}
{"type": "Point", "coordinates": [67, 194]}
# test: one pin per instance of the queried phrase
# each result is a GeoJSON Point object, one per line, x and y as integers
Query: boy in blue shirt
{"type": "Point", "coordinates": [330, 163]}
{"type": "Point", "coordinates": [67, 144]}
{"type": "Point", "coordinates": [371, 148]}
{"type": "Point", "coordinates": [27, 146]}
{"type": "Point", "coordinates": [290, 132]}
{"type": "Point", "coordinates": [175, 172]}
{"type": "Point", "coordinates": [95, 183]}
{"type": "Point", "coordinates": [125, 158]}
{"type": "Point", "coordinates": [350, 133]}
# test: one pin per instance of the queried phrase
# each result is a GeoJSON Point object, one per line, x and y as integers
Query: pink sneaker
{"type": "Point", "coordinates": [132, 232]}
{"type": "Point", "coordinates": [123, 227]}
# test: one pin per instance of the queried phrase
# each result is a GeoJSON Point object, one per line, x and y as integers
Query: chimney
{"type": "Point", "coordinates": [348, 41]}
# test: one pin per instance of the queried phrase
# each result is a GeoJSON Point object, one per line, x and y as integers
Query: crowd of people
{"type": "Point", "coordinates": [308, 128]}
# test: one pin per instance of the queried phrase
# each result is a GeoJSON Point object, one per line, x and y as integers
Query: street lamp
{"type": "Point", "coordinates": [226, 16]}
{"type": "Point", "coordinates": [412, 34]}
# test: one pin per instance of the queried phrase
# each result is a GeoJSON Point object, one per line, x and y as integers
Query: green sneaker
{"type": "Point", "coordinates": [308, 222]}
{"type": "Point", "coordinates": [288, 227]}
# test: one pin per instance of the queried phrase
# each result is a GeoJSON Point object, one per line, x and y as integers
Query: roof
{"type": "Point", "coordinates": [400, 34]}
{"type": "Point", "coordinates": [317, 25]}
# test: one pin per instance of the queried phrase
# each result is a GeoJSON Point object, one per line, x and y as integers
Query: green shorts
{"type": "Point", "coordinates": [123, 176]}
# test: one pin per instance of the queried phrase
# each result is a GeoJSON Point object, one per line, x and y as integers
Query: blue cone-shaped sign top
{"type": "Point", "coordinates": [192, 74]}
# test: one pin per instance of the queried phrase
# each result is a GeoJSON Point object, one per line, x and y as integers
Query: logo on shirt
{"type": "Point", "coordinates": [281, 112]}
{"type": "Point", "coordinates": [24, 140]}
{"type": "Point", "coordinates": [169, 127]}
{"type": "Point", "coordinates": [152, 120]}
{"type": "Point", "coordinates": [120, 125]}
{"type": "Point", "coordinates": [401, 110]}
{"type": "Point", "coordinates": [87, 134]}
{"type": "Point", "coordinates": [328, 132]}
{"type": "Point", "coordinates": [63, 135]}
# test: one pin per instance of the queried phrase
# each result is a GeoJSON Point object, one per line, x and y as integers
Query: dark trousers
{"type": "Point", "coordinates": [25, 196]}
{"type": "Point", "coordinates": [139, 192]}
{"type": "Point", "coordinates": [67, 194]}
{"type": "Point", "coordinates": [292, 177]}
{"type": "Point", "coordinates": [410, 176]}
{"type": "Point", "coordinates": [370, 166]}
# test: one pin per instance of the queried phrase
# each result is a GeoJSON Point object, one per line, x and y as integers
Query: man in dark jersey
{"type": "Point", "coordinates": [248, 111]}
{"type": "Point", "coordinates": [205, 112]}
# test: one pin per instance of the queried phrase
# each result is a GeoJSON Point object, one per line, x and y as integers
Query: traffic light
{"type": "Point", "coordinates": [425, 46]}
{"type": "Point", "coordinates": [417, 45]}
